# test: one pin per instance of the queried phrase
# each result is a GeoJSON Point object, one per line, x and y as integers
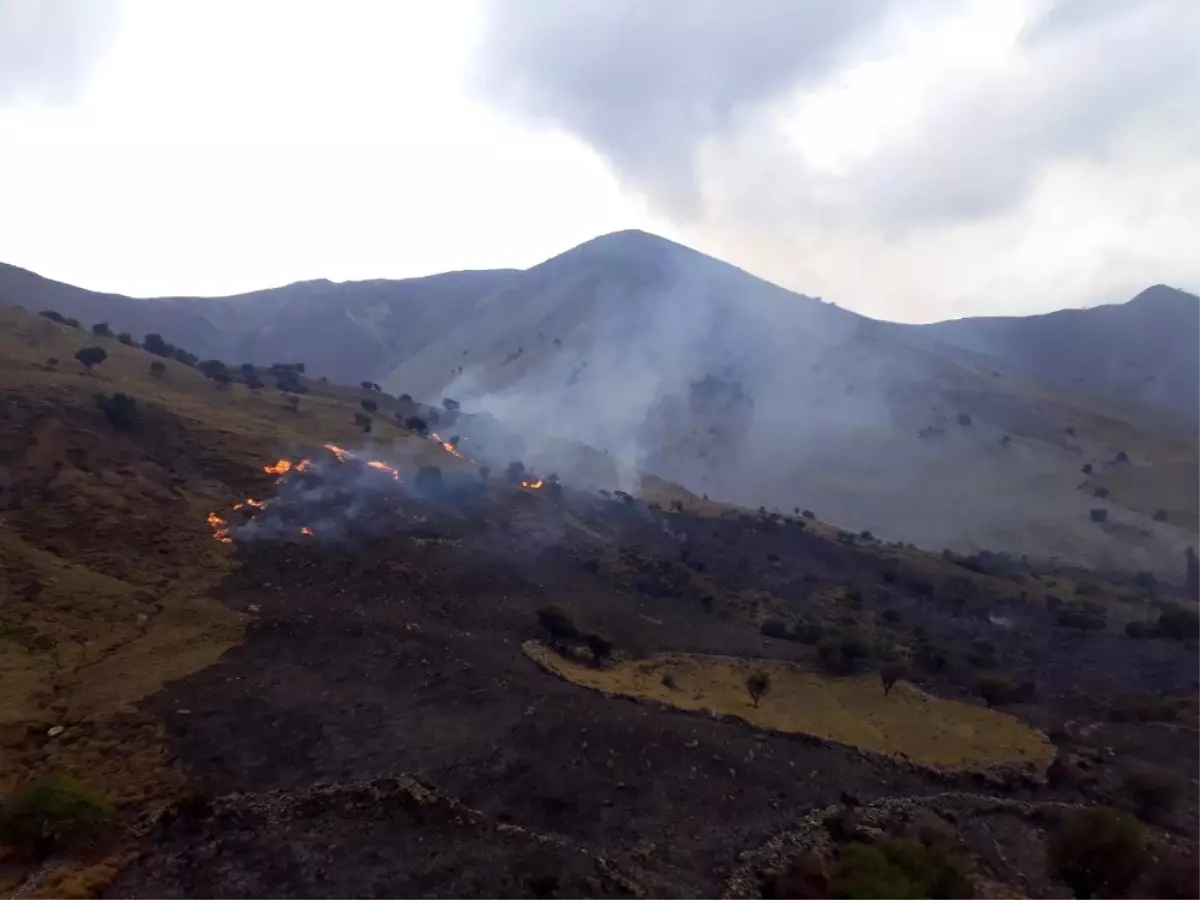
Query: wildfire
{"type": "Point", "coordinates": [337, 451]}
{"type": "Point", "coordinates": [446, 445]}
{"type": "Point", "coordinates": [252, 503]}
{"type": "Point", "coordinates": [280, 468]}
{"type": "Point", "coordinates": [533, 485]}
{"type": "Point", "coordinates": [220, 528]}
{"type": "Point", "coordinates": [306, 530]}
{"type": "Point", "coordinates": [384, 467]}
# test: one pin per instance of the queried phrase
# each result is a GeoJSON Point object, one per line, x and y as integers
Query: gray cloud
{"type": "Point", "coordinates": [48, 47]}
{"type": "Point", "coordinates": [646, 83]}
{"type": "Point", "coordinates": [1059, 169]}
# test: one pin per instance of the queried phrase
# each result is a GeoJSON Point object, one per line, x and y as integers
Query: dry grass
{"type": "Point", "coordinates": [908, 722]}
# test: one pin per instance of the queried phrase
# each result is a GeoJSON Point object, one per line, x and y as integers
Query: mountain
{"type": "Point", "coordinates": [347, 332]}
{"type": "Point", "coordinates": [1140, 353]}
{"type": "Point", "coordinates": [674, 363]}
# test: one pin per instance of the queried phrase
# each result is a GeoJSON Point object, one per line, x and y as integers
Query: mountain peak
{"type": "Point", "coordinates": [1163, 295]}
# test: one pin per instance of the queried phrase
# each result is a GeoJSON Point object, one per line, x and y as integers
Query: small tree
{"type": "Point", "coordinates": [997, 690]}
{"type": "Point", "coordinates": [892, 673]}
{"type": "Point", "coordinates": [758, 685]}
{"type": "Point", "coordinates": [600, 645]}
{"type": "Point", "coordinates": [101, 329]}
{"type": "Point", "coordinates": [158, 368]}
{"type": "Point", "coordinates": [91, 356]}
{"type": "Point", "coordinates": [368, 404]}
{"type": "Point", "coordinates": [125, 338]}
{"type": "Point", "coordinates": [155, 344]}
{"type": "Point", "coordinates": [363, 421]}
{"type": "Point", "coordinates": [1098, 852]}
{"type": "Point", "coordinates": [1087, 469]}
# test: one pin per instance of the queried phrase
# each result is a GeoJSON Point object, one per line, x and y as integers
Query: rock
{"type": "Point", "coordinates": [55, 731]}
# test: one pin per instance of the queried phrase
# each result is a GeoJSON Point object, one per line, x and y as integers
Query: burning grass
{"type": "Point", "coordinates": [907, 722]}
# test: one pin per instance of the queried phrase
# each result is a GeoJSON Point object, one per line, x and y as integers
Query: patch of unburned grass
{"type": "Point", "coordinates": [853, 710]}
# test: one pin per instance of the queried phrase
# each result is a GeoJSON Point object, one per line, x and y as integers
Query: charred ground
{"type": "Point", "coordinates": [364, 721]}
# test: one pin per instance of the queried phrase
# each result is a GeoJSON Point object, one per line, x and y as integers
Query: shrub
{"type": "Point", "coordinates": [126, 338]}
{"type": "Point", "coordinates": [158, 368]}
{"type": "Point", "coordinates": [362, 420]}
{"type": "Point", "coordinates": [417, 424]}
{"type": "Point", "coordinates": [371, 386]}
{"type": "Point", "coordinates": [53, 316]}
{"type": "Point", "coordinates": [1087, 469]}
{"type": "Point", "coordinates": [1138, 630]}
{"type": "Point", "coordinates": [210, 368]}
{"type": "Point", "coordinates": [1160, 516]}
{"type": "Point", "coordinates": [74, 323]}
{"type": "Point", "coordinates": [808, 514]}
{"type": "Point", "coordinates": [51, 363]}
{"type": "Point", "coordinates": [557, 621]}
{"type": "Point", "coordinates": [1098, 515]}
{"type": "Point", "coordinates": [515, 471]}
{"type": "Point", "coordinates": [932, 657]}
{"type": "Point", "coordinates": [775, 628]}
{"type": "Point", "coordinates": [892, 673]}
{"type": "Point", "coordinates": [758, 685]}
{"type": "Point", "coordinates": [668, 681]}
{"type": "Point", "coordinates": [254, 383]}
{"type": "Point", "coordinates": [120, 410]}
{"type": "Point", "coordinates": [91, 356]}
{"type": "Point", "coordinates": [890, 616]}
{"type": "Point", "coordinates": [101, 329]}
{"type": "Point", "coordinates": [1101, 493]}
{"type": "Point", "coordinates": [963, 419]}
{"type": "Point", "coordinates": [1098, 852]}
{"type": "Point", "coordinates": [808, 633]}
{"type": "Point", "coordinates": [450, 405]}
{"type": "Point", "coordinates": [1154, 792]}
{"type": "Point", "coordinates": [1121, 457]}
{"type": "Point", "coordinates": [53, 814]}
{"type": "Point", "coordinates": [405, 398]}
{"type": "Point", "coordinates": [221, 379]}
{"type": "Point", "coordinates": [368, 404]}
{"type": "Point", "coordinates": [898, 867]}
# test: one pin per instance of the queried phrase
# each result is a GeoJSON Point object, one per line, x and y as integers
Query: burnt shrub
{"type": "Point", "coordinates": [997, 690]}
{"type": "Point", "coordinates": [899, 867]}
{"type": "Point", "coordinates": [91, 356]}
{"type": "Point", "coordinates": [1098, 852]}
{"type": "Point", "coordinates": [775, 628]}
{"type": "Point", "coordinates": [53, 814]}
{"type": "Point", "coordinates": [557, 621]}
{"type": "Point", "coordinates": [1179, 624]}
{"type": "Point", "coordinates": [120, 410]}
{"type": "Point", "coordinates": [805, 877]}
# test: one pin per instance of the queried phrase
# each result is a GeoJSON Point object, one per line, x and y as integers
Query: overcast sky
{"type": "Point", "coordinates": [909, 159]}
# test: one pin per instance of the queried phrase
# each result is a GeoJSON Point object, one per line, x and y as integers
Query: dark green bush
{"type": "Point", "coordinates": [1098, 852]}
{"type": "Point", "coordinates": [901, 868]}
{"type": "Point", "coordinates": [91, 356]}
{"type": "Point", "coordinates": [53, 814]}
{"type": "Point", "coordinates": [758, 684]}
{"type": "Point", "coordinates": [120, 410]}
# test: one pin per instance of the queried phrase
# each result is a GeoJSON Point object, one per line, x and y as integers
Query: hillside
{"type": "Point", "coordinates": [299, 658]}
{"type": "Point", "coordinates": [671, 362]}
{"type": "Point", "coordinates": [1143, 353]}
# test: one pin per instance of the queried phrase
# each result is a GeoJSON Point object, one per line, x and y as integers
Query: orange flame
{"type": "Point", "coordinates": [384, 467]}
{"type": "Point", "coordinates": [337, 451]}
{"type": "Point", "coordinates": [532, 485]}
{"type": "Point", "coordinates": [306, 530]}
{"type": "Point", "coordinates": [446, 445]}
{"type": "Point", "coordinates": [252, 503]}
{"type": "Point", "coordinates": [280, 468]}
{"type": "Point", "coordinates": [220, 528]}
